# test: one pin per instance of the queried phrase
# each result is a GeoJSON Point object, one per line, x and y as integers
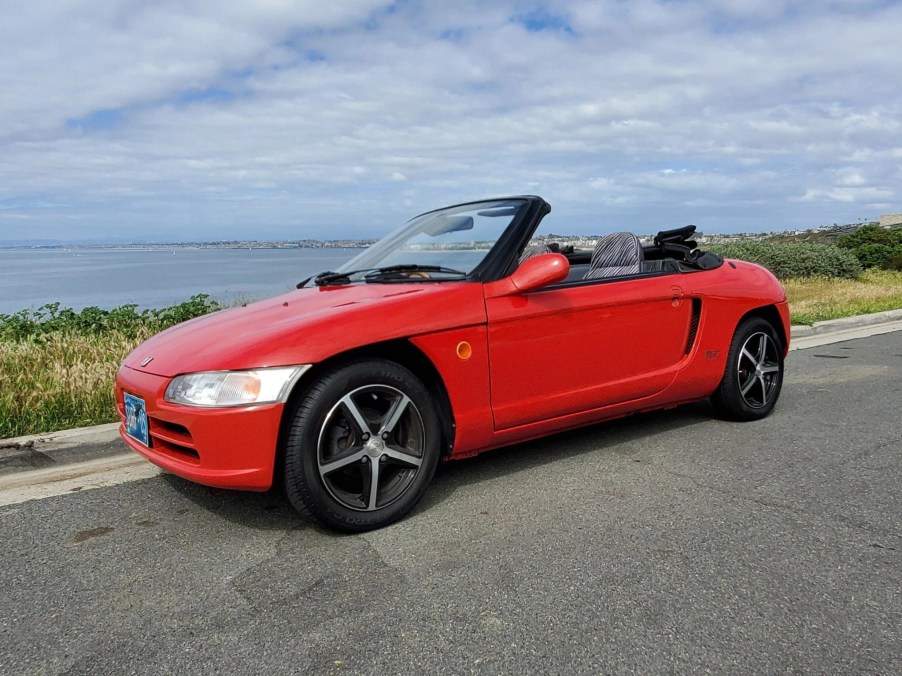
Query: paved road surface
{"type": "Point", "coordinates": [661, 543]}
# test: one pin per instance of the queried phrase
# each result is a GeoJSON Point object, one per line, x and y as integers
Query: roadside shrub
{"type": "Point", "coordinates": [874, 246]}
{"type": "Point", "coordinates": [794, 260]}
{"type": "Point", "coordinates": [871, 234]}
{"type": "Point", "coordinates": [92, 321]}
{"type": "Point", "coordinates": [873, 255]}
{"type": "Point", "coordinates": [894, 263]}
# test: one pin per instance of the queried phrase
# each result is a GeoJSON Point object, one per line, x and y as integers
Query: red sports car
{"type": "Point", "coordinates": [451, 336]}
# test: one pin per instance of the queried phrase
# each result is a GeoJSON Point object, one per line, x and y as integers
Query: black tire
{"type": "Point", "coordinates": [753, 376]}
{"type": "Point", "coordinates": [366, 423]}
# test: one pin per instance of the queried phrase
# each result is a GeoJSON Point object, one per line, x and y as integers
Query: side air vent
{"type": "Point", "coordinates": [693, 325]}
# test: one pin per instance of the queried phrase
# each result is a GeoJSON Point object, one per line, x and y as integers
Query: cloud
{"type": "Point", "coordinates": [286, 119]}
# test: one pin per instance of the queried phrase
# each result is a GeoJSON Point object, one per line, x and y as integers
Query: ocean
{"type": "Point", "coordinates": [153, 278]}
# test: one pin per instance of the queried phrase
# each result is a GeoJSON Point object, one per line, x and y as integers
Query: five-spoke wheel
{"type": "Point", "coordinates": [362, 447]}
{"type": "Point", "coordinates": [754, 373]}
{"type": "Point", "coordinates": [370, 447]}
{"type": "Point", "coordinates": [759, 370]}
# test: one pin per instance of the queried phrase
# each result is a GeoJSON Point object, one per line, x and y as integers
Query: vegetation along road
{"type": "Point", "coordinates": [670, 542]}
{"type": "Point", "coordinates": [57, 366]}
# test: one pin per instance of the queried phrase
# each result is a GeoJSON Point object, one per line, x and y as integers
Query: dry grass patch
{"type": "Point", "coordinates": [813, 299]}
{"type": "Point", "coordinates": [61, 381]}
{"type": "Point", "coordinates": [58, 366]}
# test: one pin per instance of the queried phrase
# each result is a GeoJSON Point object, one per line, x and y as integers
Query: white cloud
{"type": "Point", "coordinates": [283, 118]}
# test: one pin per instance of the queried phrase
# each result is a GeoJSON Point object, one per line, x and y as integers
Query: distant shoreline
{"type": "Point", "coordinates": [166, 246]}
{"type": "Point", "coordinates": [822, 235]}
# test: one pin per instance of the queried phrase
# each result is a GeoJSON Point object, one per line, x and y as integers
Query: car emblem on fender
{"type": "Point", "coordinates": [146, 361]}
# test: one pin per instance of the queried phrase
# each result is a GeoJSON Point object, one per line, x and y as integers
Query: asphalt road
{"type": "Point", "coordinates": [661, 543]}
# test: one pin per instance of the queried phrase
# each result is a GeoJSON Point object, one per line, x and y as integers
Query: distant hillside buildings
{"type": "Point", "coordinates": [889, 220]}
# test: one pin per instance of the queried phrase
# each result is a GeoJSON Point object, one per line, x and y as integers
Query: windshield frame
{"type": "Point", "coordinates": [497, 262]}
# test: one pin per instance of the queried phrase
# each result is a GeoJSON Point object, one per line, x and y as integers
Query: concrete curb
{"type": "Point", "coordinates": [834, 325]}
{"type": "Point", "coordinates": [74, 436]}
{"type": "Point", "coordinates": [39, 451]}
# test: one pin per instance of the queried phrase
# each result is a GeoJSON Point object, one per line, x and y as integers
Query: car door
{"type": "Point", "coordinates": [576, 347]}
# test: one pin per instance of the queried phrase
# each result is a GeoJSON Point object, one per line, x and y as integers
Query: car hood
{"type": "Point", "coordinates": [308, 325]}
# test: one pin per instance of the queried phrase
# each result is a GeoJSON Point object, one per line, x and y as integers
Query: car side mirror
{"type": "Point", "coordinates": [531, 274]}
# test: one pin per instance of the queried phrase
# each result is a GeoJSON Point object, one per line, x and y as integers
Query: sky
{"type": "Point", "coordinates": [148, 120]}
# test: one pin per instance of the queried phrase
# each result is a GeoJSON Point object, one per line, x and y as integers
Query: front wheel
{"type": "Point", "coordinates": [754, 374]}
{"type": "Point", "coordinates": [362, 447]}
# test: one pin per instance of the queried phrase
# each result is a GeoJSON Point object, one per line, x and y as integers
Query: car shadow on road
{"type": "Point", "coordinates": [263, 511]}
{"type": "Point", "coordinates": [612, 437]}
{"type": "Point", "coordinates": [272, 511]}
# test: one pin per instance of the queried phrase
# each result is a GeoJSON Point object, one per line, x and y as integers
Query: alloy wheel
{"type": "Point", "coordinates": [370, 447]}
{"type": "Point", "coordinates": [759, 370]}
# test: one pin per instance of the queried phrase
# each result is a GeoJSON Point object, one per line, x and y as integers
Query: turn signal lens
{"type": "Point", "coordinates": [464, 350]}
{"type": "Point", "coordinates": [233, 388]}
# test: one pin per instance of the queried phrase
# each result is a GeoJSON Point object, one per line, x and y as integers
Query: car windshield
{"type": "Point", "coordinates": [452, 242]}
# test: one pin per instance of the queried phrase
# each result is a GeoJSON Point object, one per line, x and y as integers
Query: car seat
{"type": "Point", "coordinates": [534, 250]}
{"type": "Point", "coordinates": [616, 255]}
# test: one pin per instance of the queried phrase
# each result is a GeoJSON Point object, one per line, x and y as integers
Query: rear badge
{"type": "Point", "coordinates": [146, 361]}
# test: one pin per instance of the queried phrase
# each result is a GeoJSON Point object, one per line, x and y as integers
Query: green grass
{"type": "Point", "coordinates": [814, 299]}
{"type": "Point", "coordinates": [57, 366]}
{"type": "Point", "coordinates": [62, 381]}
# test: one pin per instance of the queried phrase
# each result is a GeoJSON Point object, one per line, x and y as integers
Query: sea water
{"type": "Point", "coordinates": [154, 277]}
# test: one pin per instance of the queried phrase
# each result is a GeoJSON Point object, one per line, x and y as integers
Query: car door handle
{"type": "Point", "coordinates": [676, 296]}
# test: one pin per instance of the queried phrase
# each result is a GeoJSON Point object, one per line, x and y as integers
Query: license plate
{"type": "Point", "coordinates": [136, 419]}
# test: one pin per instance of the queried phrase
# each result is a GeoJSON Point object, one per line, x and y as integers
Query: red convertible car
{"type": "Point", "coordinates": [451, 336]}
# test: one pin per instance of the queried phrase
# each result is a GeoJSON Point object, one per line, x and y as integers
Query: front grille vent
{"type": "Point", "coordinates": [172, 439]}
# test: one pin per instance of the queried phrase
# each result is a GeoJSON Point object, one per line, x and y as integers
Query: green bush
{"type": "Point", "coordinates": [92, 321]}
{"type": "Point", "coordinates": [871, 234]}
{"type": "Point", "coordinates": [873, 255]}
{"type": "Point", "coordinates": [875, 247]}
{"type": "Point", "coordinates": [794, 260]}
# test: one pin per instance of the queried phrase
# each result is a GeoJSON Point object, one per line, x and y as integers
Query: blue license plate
{"type": "Point", "coordinates": [136, 419]}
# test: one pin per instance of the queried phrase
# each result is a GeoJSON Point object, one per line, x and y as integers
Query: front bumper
{"type": "Point", "coordinates": [222, 447]}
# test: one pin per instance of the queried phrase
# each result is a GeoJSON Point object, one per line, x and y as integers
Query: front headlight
{"type": "Point", "coordinates": [233, 388]}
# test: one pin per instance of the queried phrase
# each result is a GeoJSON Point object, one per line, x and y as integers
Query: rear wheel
{"type": "Point", "coordinates": [362, 447]}
{"type": "Point", "coordinates": [753, 377]}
